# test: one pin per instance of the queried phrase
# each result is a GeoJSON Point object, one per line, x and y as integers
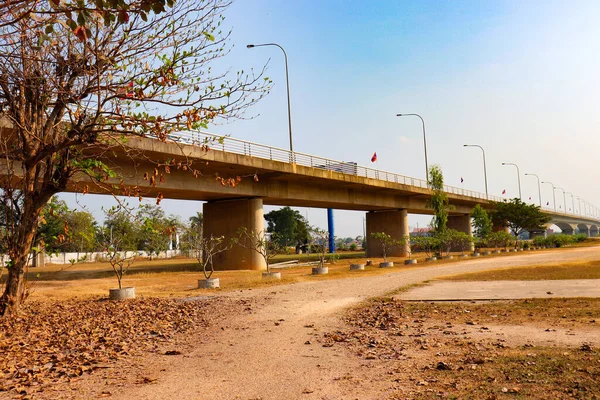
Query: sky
{"type": "Point", "coordinates": [518, 78]}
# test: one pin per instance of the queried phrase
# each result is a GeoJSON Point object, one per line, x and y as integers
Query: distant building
{"type": "Point", "coordinates": [422, 232]}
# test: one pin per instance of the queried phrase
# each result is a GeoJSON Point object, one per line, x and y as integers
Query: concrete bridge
{"type": "Point", "coordinates": [274, 176]}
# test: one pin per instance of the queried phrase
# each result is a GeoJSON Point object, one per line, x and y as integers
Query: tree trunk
{"type": "Point", "coordinates": [14, 291]}
{"type": "Point", "coordinates": [19, 250]}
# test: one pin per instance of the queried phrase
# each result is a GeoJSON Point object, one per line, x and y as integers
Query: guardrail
{"type": "Point", "coordinates": [246, 148]}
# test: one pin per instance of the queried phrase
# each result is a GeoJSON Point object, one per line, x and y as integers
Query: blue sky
{"type": "Point", "coordinates": [519, 78]}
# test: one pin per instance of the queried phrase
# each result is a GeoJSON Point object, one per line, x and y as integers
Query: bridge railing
{"type": "Point", "coordinates": [246, 148]}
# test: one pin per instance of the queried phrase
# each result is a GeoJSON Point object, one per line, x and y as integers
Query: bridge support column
{"type": "Point", "coordinates": [224, 218]}
{"type": "Point", "coordinates": [393, 223]}
{"type": "Point", "coordinates": [461, 223]}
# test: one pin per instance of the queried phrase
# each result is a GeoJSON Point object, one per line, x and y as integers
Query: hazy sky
{"type": "Point", "coordinates": [518, 78]}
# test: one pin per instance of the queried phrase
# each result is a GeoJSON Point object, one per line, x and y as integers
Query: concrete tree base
{"type": "Point", "coordinates": [503, 250]}
{"type": "Point", "coordinates": [476, 254]}
{"type": "Point", "coordinates": [210, 283]}
{"type": "Point", "coordinates": [464, 256]}
{"type": "Point", "coordinates": [431, 259]}
{"type": "Point", "coordinates": [121, 294]}
{"type": "Point", "coordinates": [496, 251]}
{"type": "Point", "coordinates": [408, 262]}
{"type": "Point", "coordinates": [271, 275]}
{"type": "Point", "coordinates": [486, 253]}
{"type": "Point", "coordinates": [447, 257]}
{"type": "Point", "coordinates": [357, 267]}
{"type": "Point", "coordinates": [386, 264]}
{"type": "Point", "coordinates": [320, 270]}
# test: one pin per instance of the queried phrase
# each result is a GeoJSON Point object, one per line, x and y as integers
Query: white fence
{"type": "Point", "coordinates": [68, 258]}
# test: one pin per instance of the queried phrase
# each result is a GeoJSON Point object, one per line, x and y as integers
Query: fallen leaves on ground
{"type": "Point", "coordinates": [52, 342]}
{"type": "Point", "coordinates": [435, 350]}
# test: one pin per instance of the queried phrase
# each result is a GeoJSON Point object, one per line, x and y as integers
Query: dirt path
{"type": "Point", "coordinates": [274, 353]}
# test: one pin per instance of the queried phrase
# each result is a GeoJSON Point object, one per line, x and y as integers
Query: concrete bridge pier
{"type": "Point", "coordinates": [224, 218]}
{"type": "Point", "coordinates": [461, 223]}
{"type": "Point", "coordinates": [393, 223]}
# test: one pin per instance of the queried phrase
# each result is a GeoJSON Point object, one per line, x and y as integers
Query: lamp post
{"type": "Point", "coordinates": [539, 190]}
{"type": "Point", "coordinates": [553, 195]}
{"type": "Point", "coordinates": [579, 201]}
{"type": "Point", "coordinates": [518, 176]}
{"type": "Point", "coordinates": [564, 198]}
{"type": "Point", "coordinates": [424, 141]}
{"type": "Point", "coordinates": [572, 201]}
{"type": "Point", "coordinates": [287, 80]}
{"type": "Point", "coordinates": [484, 167]}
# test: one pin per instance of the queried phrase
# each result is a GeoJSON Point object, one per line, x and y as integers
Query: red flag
{"type": "Point", "coordinates": [547, 203]}
{"type": "Point", "coordinates": [529, 197]}
{"type": "Point", "coordinates": [504, 191]}
{"type": "Point", "coordinates": [461, 180]}
{"type": "Point", "coordinates": [374, 158]}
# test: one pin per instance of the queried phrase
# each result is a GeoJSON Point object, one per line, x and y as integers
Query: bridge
{"type": "Point", "coordinates": [275, 176]}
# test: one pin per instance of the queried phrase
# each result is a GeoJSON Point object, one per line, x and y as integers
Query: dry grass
{"type": "Point", "coordinates": [178, 277]}
{"type": "Point", "coordinates": [432, 350]}
{"type": "Point", "coordinates": [585, 270]}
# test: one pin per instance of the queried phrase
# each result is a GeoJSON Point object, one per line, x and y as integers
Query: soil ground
{"type": "Point", "coordinates": [302, 341]}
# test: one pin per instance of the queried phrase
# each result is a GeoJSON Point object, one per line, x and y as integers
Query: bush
{"type": "Point", "coordinates": [353, 247]}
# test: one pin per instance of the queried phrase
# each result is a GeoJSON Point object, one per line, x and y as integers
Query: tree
{"type": "Point", "coordinates": [258, 242]}
{"type": "Point", "coordinates": [82, 232]}
{"type": "Point", "coordinates": [520, 216]}
{"type": "Point", "coordinates": [120, 227]}
{"type": "Point", "coordinates": [153, 230]}
{"type": "Point", "coordinates": [482, 223]}
{"type": "Point", "coordinates": [289, 225]}
{"type": "Point", "coordinates": [320, 242]}
{"type": "Point", "coordinates": [427, 243]}
{"type": "Point", "coordinates": [79, 78]}
{"type": "Point", "coordinates": [53, 229]}
{"type": "Point", "coordinates": [439, 202]}
{"type": "Point", "coordinates": [206, 248]}
{"type": "Point", "coordinates": [386, 242]}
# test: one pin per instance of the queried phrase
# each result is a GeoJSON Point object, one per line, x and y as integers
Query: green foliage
{"type": "Point", "coordinates": [53, 229]}
{"type": "Point", "coordinates": [153, 230]}
{"type": "Point", "coordinates": [519, 216]}
{"type": "Point", "coordinates": [439, 202]}
{"type": "Point", "coordinates": [386, 242]}
{"type": "Point", "coordinates": [482, 222]}
{"type": "Point", "coordinates": [428, 244]}
{"type": "Point", "coordinates": [450, 238]}
{"type": "Point", "coordinates": [500, 239]}
{"type": "Point", "coordinates": [289, 225]}
{"type": "Point", "coordinates": [559, 240]}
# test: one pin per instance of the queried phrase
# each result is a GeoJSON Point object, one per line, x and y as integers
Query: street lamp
{"type": "Point", "coordinates": [539, 190]}
{"type": "Point", "coordinates": [572, 201]}
{"type": "Point", "coordinates": [579, 200]}
{"type": "Point", "coordinates": [424, 141]}
{"type": "Point", "coordinates": [564, 199]}
{"type": "Point", "coordinates": [484, 167]}
{"type": "Point", "coordinates": [287, 80]}
{"type": "Point", "coordinates": [553, 195]}
{"type": "Point", "coordinates": [518, 176]}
